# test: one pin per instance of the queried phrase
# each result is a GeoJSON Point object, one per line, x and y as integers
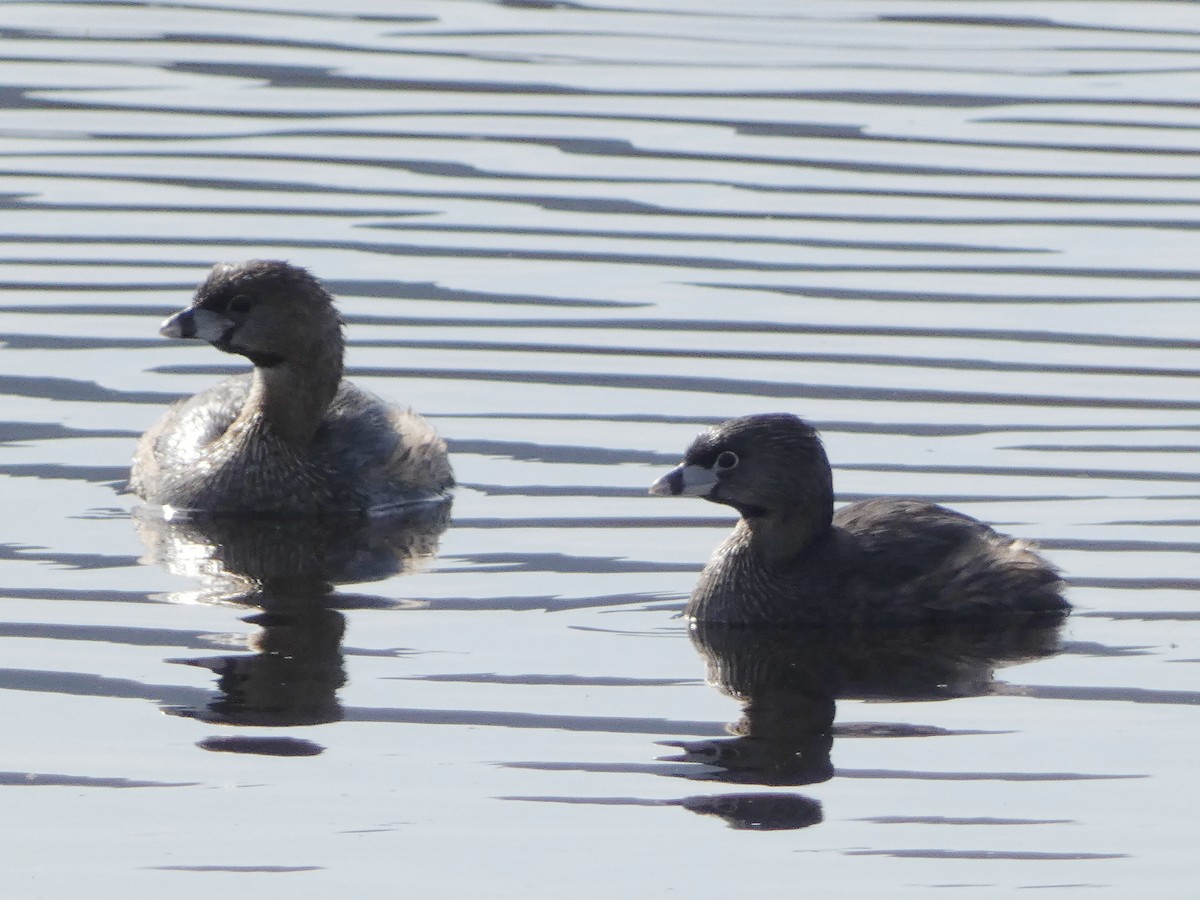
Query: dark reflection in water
{"type": "Point", "coordinates": [262, 746]}
{"type": "Point", "coordinates": [287, 569]}
{"type": "Point", "coordinates": [789, 679]}
{"type": "Point", "coordinates": [259, 560]}
{"type": "Point", "coordinates": [758, 812]}
{"type": "Point", "coordinates": [742, 812]}
{"type": "Point", "coordinates": [292, 675]}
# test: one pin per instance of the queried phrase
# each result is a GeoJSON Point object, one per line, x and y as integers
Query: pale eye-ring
{"type": "Point", "coordinates": [726, 460]}
{"type": "Point", "coordinates": [240, 304]}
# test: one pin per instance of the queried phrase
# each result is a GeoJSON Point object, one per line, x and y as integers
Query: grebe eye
{"type": "Point", "coordinates": [240, 304]}
{"type": "Point", "coordinates": [727, 460]}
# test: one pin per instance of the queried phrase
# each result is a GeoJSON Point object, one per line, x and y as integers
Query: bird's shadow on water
{"type": "Point", "coordinates": [287, 570]}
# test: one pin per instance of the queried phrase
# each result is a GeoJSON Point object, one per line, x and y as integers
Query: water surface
{"type": "Point", "coordinates": [959, 238]}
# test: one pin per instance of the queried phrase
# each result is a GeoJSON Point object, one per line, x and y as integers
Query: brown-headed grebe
{"type": "Point", "coordinates": [289, 437]}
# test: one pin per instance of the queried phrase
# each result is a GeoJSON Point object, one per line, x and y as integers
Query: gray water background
{"type": "Point", "coordinates": [960, 237]}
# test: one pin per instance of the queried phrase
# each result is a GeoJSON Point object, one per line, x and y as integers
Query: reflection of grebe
{"type": "Point", "coordinates": [792, 559]}
{"type": "Point", "coordinates": [287, 568]}
{"type": "Point", "coordinates": [291, 678]}
{"type": "Point", "coordinates": [758, 812]}
{"type": "Point", "coordinates": [291, 556]}
{"type": "Point", "coordinates": [291, 436]}
{"type": "Point", "coordinates": [742, 812]}
{"type": "Point", "coordinates": [788, 680]}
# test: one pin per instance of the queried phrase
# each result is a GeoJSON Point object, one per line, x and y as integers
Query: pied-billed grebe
{"type": "Point", "coordinates": [793, 560]}
{"type": "Point", "coordinates": [291, 436]}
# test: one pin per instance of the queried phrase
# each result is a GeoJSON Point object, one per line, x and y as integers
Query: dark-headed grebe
{"type": "Point", "coordinates": [792, 560]}
{"type": "Point", "coordinates": [289, 437]}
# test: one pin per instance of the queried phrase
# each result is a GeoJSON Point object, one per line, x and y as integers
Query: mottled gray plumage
{"type": "Point", "coordinates": [792, 560]}
{"type": "Point", "coordinates": [291, 436]}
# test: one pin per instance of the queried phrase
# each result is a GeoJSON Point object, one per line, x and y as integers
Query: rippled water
{"type": "Point", "coordinates": [960, 238]}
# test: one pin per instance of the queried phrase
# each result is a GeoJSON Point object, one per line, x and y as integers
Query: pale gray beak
{"type": "Point", "coordinates": [200, 324]}
{"type": "Point", "coordinates": [685, 480]}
